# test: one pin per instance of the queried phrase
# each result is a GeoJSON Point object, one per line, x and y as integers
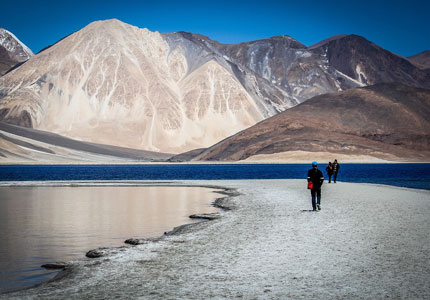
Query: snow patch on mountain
{"type": "Point", "coordinates": [360, 75]}
{"type": "Point", "coordinates": [17, 49]}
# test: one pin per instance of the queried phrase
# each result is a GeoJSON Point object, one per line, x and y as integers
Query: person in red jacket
{"type": "Point", "coordinates": [317, 178]}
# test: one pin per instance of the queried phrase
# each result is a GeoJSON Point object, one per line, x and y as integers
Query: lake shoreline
{"type": "Point", "coordinates": [261, 248]}
{"type": "Point", "coordinates": [239, 162]}
{"type": "Point", "coordinates": [220, 203]}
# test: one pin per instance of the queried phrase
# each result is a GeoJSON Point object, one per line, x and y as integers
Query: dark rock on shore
{"type": "Point", "coordinates": [135, 241]}
{"type": "Point", "coordinates": [95, 253]}
{"type": "Point", "coordinates": [57, 265]}
{"type": "Point", "coordinates": [212, 216]}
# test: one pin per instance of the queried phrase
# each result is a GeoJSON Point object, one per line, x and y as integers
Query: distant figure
{"type": "Point", "coordinates": [336, 168]}
{"type": "Point", "coordinates": [317, 178]}
{"type": "Point", "coordinates": [329, 170]}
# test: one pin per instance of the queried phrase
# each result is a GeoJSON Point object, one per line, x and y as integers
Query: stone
{"type": "Point", "coordinates": [57, 265]}
{"type": "Point", "coordinates": [95, 253]}
{"type": "Point", "coordinates": [212, 216]}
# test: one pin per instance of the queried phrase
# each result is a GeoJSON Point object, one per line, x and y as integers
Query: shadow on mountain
{"type": "Point", "coordinates": [26, 145]}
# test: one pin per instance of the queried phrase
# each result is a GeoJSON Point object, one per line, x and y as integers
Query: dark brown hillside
{"type": "Point", "coordinates": [421, 60]}
{"type": "Point", "coordinates": [380, 121]}
{"type": "Point", "coordinates": [368, 63]}
{"type": "Point", "coordinates": [6, 63]}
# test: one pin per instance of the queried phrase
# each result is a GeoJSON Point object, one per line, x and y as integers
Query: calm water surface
{"type": "Point", "coordinates": [405, 175]}
{"type": "Point", "coordinates": [41, 225]}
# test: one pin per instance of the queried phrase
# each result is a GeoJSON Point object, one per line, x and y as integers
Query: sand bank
{"type": "Point", "coordinates": [306, 157]}
{"type": "Point", "coordinates": [368, 242]}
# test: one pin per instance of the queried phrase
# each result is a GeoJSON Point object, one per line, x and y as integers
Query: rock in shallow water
{"type": "Point", "coordinates": [95, 253]}
{"type": "Point", "coordinates": [57, 265]}
{"type": "Point", "coordinates": [134, 241]}
{"type": "Point", "coordinates": [211, 216]}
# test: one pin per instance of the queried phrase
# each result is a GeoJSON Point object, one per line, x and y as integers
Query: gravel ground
{"type": "Point", "coordinates": [367, 242]}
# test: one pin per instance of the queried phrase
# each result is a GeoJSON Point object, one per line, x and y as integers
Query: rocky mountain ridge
{"type": "Point", "coordinates": [113, 83]}
{"type": "Point", "coordinates": [421, 60]}
{"type": "Point", "coordinates": [12, 51]}
{"type": "Point", "coordinates": [369, 64]}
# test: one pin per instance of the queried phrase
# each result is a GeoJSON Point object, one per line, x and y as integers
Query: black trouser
{"type": "Point", "coordinates": [316, 192]}
{"type": "Point", "coordinates": [329, 177]}
{"type": "Point", "coordinates": [334, 176]}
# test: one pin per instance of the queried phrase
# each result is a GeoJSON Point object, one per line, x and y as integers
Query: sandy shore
{"type": "Point", "coordinates": [368, 242]}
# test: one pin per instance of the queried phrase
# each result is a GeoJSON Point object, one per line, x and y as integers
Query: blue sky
{"type": "Point", "coordinates": [399, 26]}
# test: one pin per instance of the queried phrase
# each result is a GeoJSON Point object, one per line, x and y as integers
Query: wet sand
{"type": "Point", "coordinates": [368, 242]}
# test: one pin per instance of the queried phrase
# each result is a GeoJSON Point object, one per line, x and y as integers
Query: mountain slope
{"type": "Point", "coordinates": [12, 51]}
{"type": "Point", "coordinates": [25, 145]}
{"type": "Point", "coordinates": [279, 71]}
{"type": "Point", "coordinates": [113, 83]}
{"type": "Point", "coordinates": [368, 63]}
{"type": "Point", "coordinates": [421, 60]}
{"type": "Point", "coordinates": [385, 121]}
{"type": "Point", "coordinates": [111, 79]}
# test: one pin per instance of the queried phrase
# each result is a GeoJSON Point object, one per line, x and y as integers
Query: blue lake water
{"type": "Point", "coordinates": [404, 175]}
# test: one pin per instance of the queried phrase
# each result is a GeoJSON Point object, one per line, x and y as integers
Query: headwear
{"type": "Point", "coordinates": [314, 163]}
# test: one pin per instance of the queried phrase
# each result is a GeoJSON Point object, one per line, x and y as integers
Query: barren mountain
{"type": "Point", "coordinates": [368, 63]}
{"type": "Point", "coordinates": [279, 72]}
{"type": "Point", "coordinates": [116, 84]}
{"type": "Point", "coordinates": [387, 121]}
{"type": "Point", "coordinates": [421, 60]}
{"type": "Point", "coordinates": [12, 51]}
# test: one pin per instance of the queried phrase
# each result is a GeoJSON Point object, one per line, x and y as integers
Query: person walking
{"type": "Point", "coordinates": [317, 178]}
{"type": "Point", "coordinates": [329, 170]}
{"type": "Point", "coordinates": [336, 168]}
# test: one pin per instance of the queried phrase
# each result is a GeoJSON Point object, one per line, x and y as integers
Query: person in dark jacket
{"type": "Point", "coordinates": [317, 178]}
{"type": "Point", "coordinates": [336, 168]}
{"type": "Point", "coordinates": [329, 170]}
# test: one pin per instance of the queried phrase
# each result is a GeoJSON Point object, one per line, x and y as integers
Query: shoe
{"type": "Point", "coordinates": [318, 207]}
